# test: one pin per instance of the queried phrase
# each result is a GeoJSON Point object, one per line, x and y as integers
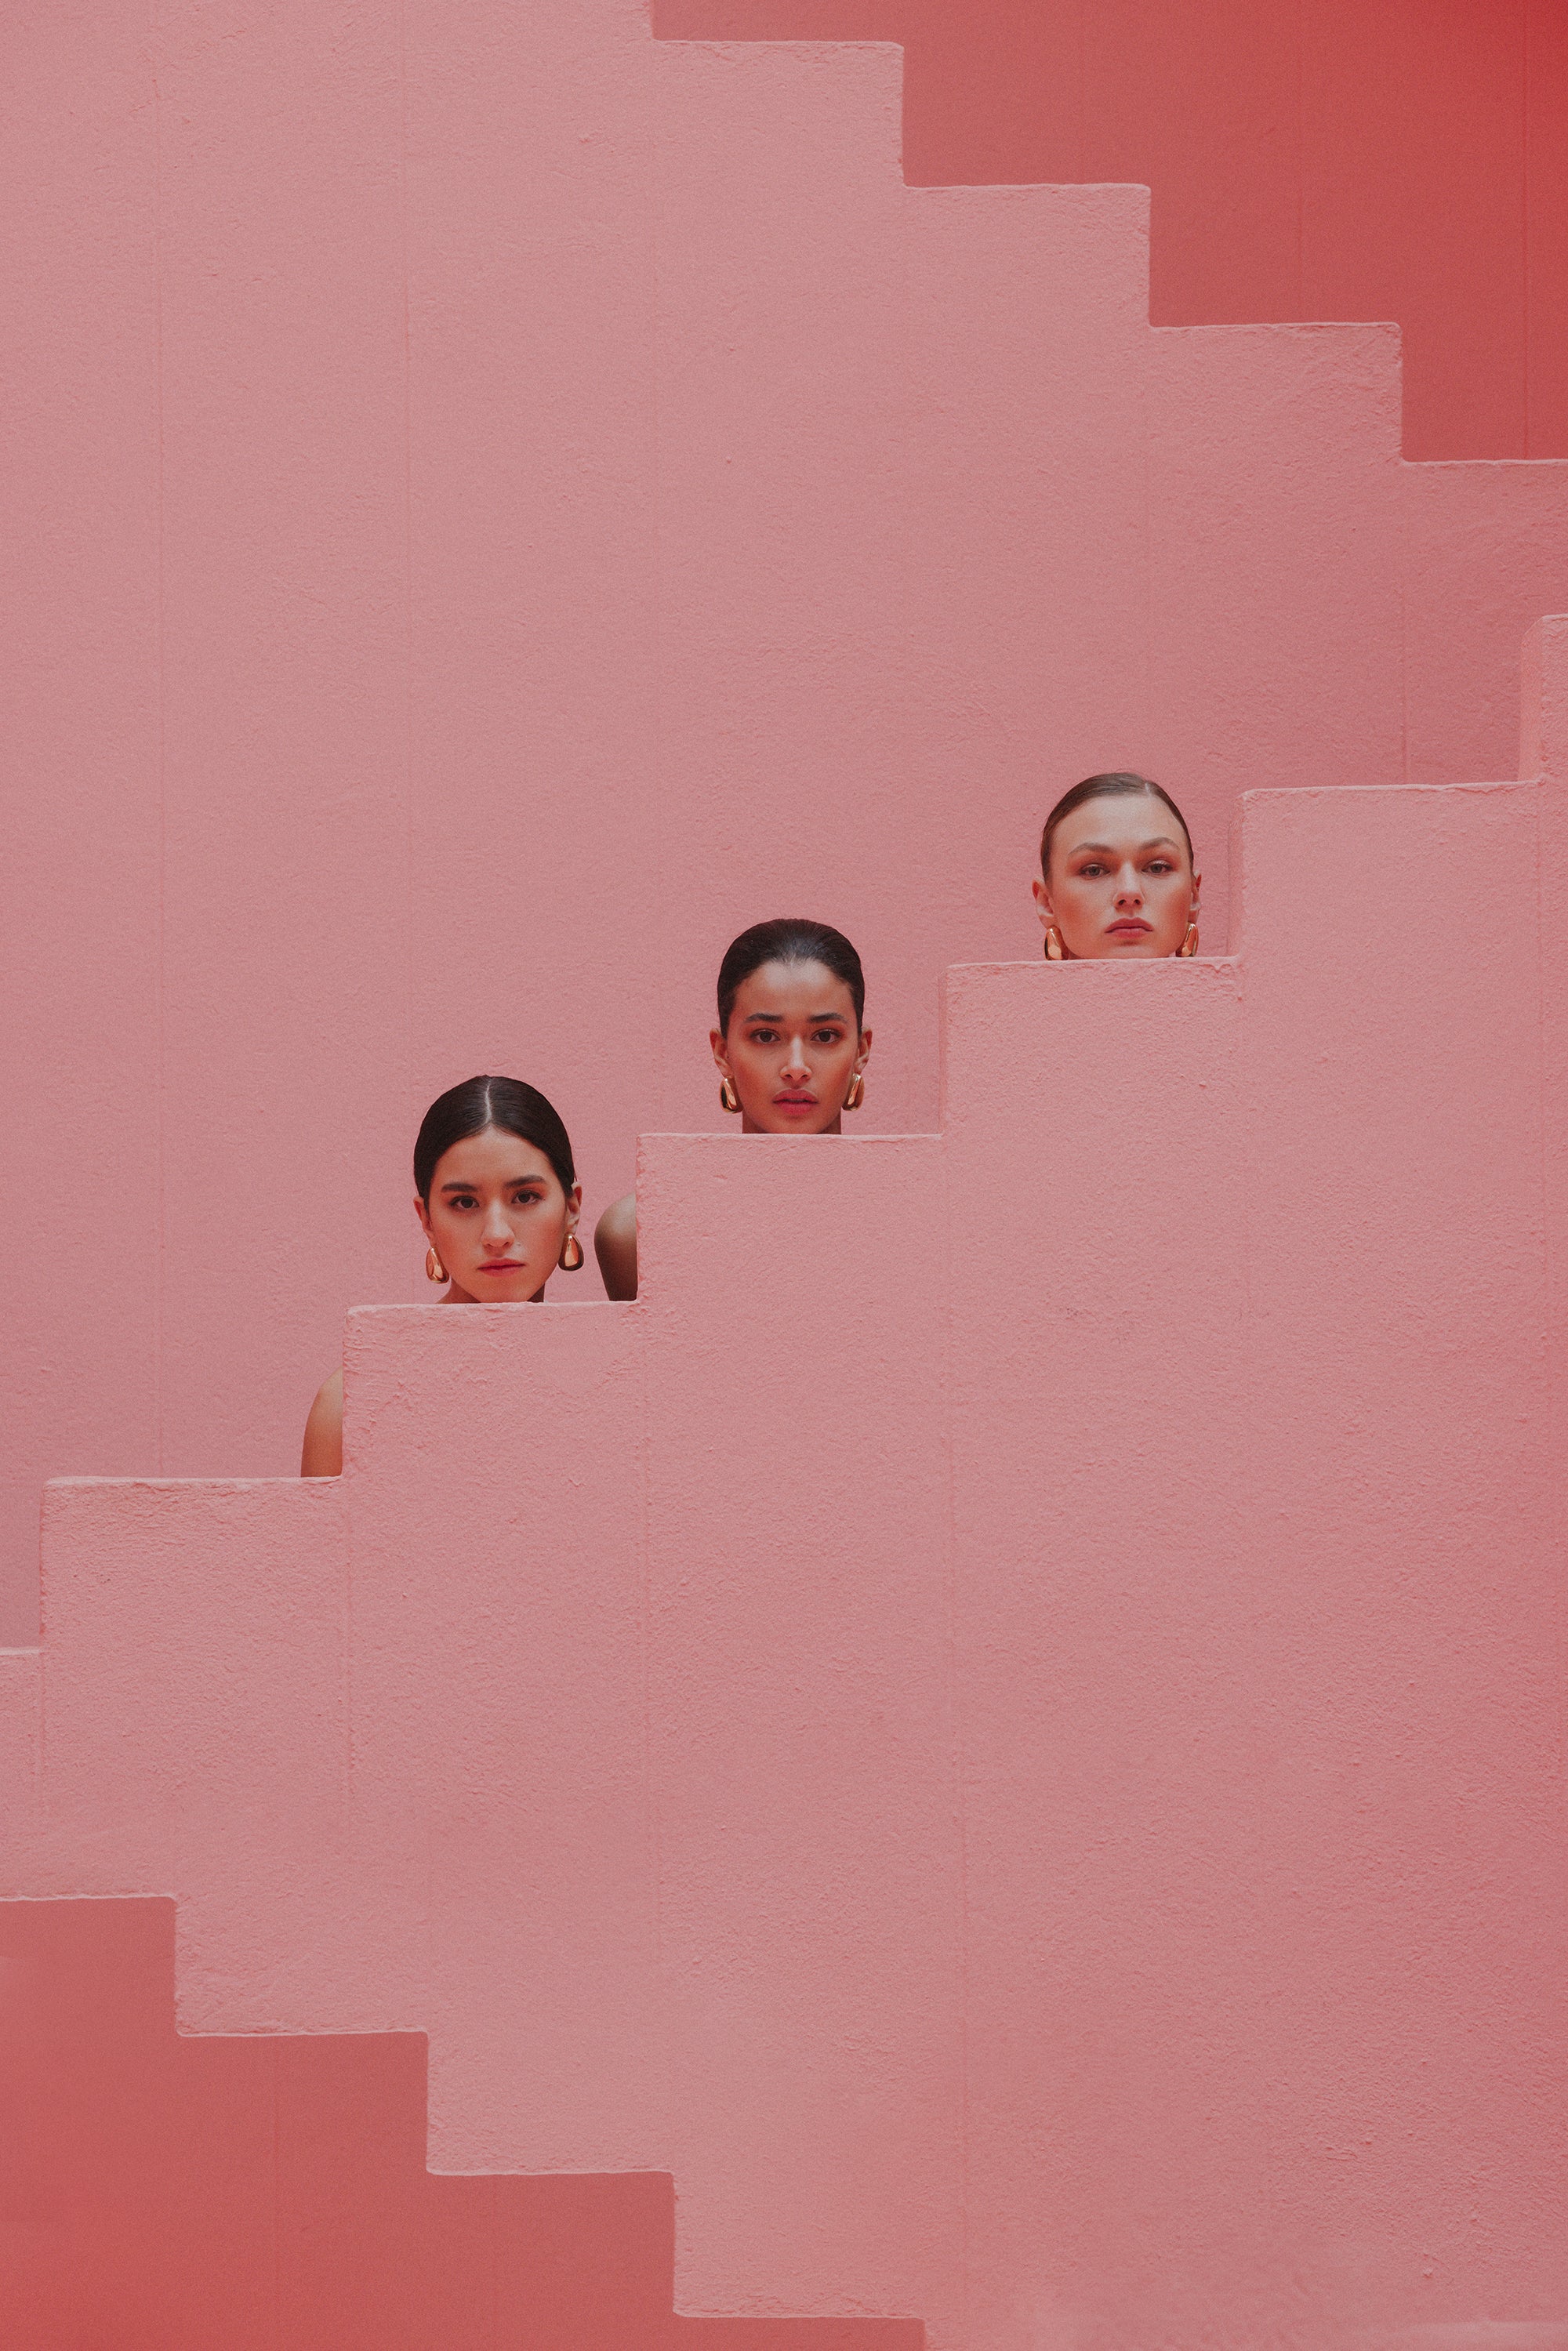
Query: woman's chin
{"type": "Point", "coordinates": [500, 1290]}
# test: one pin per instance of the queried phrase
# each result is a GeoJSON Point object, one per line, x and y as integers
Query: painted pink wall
{"type": "Point", "coordinates": [1325, 161]}
{"type": "Point", "coordinates": [1004, 1722]}
{"type": "Point", "coordinates": [165, 2194]}
{"type": "Point", "coordinates": [493, 503]}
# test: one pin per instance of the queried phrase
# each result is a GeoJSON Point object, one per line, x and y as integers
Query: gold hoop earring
{"type": "Point", "coordinates": [856, 1093]}
{"type": "Point", "coordinates": [728, 1097]}
{"type": "Point", "coordinates": [433, 1268]}
{"type": "Point", "coordinates": [1190, 945]}
{"type": "Point", "coordinates": [1054, 950]}
{"type": "Point", "coordinates": [570, 1253]}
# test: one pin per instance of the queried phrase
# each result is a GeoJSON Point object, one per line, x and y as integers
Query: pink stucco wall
{"type": "Point", "coordinates": [1329, 160]}
{"type": "Point", "coordinates": [163, 2192]}
{"type": "Point", "coordinates": [493, 503]}
{"type": "Point", "coordinates": [1004, 1722]}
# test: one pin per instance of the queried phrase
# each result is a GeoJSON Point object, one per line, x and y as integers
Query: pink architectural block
{"type": "Point", "coordinates": [1003, 1722]}
{"type": "Point", "coordinates": [493, 503]}
{"type": "Point", "coordinates": [164, 2194]}
{"type": "Point", "coordinates": [1328, 160]}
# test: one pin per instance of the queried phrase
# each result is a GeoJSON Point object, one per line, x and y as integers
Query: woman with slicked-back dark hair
{"type": "Point", "coordinates": [497, 1193]}
{"type": "Point", "coordinates": [1117, 876]}
{"type": "Point", "coordinates": [791, 1046]}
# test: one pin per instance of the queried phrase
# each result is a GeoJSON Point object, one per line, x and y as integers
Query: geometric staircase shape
{"type": "Point", "coordinates": [1002, 1722]}
{"type": "Point", "coordinates": [419, 408]}
{"type": "Point", "coordinates": [1332, 222]}
{"type": "Point", "coordinates": [161, 2192]}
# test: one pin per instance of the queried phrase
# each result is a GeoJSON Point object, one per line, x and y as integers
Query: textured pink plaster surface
{"type": "Point", "coordinates": [1323, 161]}
{"type": "Point", "coordinates": [164, 2193]}
{"type": "Point", "coordinates": [492, 503]}
{"type": "Point", "coordinates": [1004, 1722]}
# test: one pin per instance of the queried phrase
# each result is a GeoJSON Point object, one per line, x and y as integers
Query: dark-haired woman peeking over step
{"type": "Point", "coordinates": [497, 1195]}
{"type": "Point", "coordinates": [791, 1049]}
{"type": "Point", "coordinates": [1116, 873]}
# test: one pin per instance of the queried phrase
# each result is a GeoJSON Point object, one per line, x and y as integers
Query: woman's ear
{"type": "Point", "coordinates": [720, 1052]}
{"type": "Point", "coordinates": [422, 1213]}
{"type": "Point", "coordinates": [864, 1054]}
{"type": "Point", "coordinates": [574, 1203]}
{"type": "Point", "coordinates": [1042, 906]}
{"type": "Point", "coordinates": [1197, 886]}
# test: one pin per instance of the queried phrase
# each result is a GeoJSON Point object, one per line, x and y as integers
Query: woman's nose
{"type": "Point", "coordinates": [1129, 891]}
{"type": "Point", "coordinates": [495, 1232]}
{"type": "Point", "coordinates": [796, 1065]}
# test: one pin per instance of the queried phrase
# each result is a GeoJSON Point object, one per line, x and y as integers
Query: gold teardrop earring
{"type": "Point", "coordinates": [856, 1093]}
{"type": "Point", "coordinates": [1054, 950]}
{"type": "Point", "coordinates": [433, 1268]}
{"type": "Point", "coordinates": [1190, 945]}
{"type": "Point", "coordinates": [570, 1255]}
{"type": "Point", "coordinates": [728, 1097]}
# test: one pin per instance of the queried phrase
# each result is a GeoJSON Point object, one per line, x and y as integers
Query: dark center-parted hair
{"type": "Point", "coordinates": [789, 941]}
{"type": "Point", "coordinates": [505, 1104]}
{"type": "Point", "coordinates": [1106, 788]}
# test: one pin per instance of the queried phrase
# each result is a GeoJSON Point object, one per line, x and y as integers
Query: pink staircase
{"type": "Point", "coordinates": [167, 2194]}
{"type": "Point", "coordinates": [488, 491]}
{"type": "Point", "coordinates": [1003, 1724]}
{"type": "Point", "coordinates": [1284, 183]}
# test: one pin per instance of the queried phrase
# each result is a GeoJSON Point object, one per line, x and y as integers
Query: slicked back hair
{"type": "Point", "coordinates": [1106, 788]}
{"type": "Point", "coordinates": [789, 941]}
{"type": "Point", "coordinates": [478, 1103]}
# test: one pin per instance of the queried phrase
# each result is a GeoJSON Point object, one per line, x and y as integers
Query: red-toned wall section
{"type": "Point", "coordinates": [1327, 161]}
{"type": "Point", "coordinates": [166, 2194]}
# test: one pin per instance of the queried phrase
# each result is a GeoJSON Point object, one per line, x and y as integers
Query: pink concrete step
{"type": "Point", "coordinates": [1003, 1724]}
{"type": "Point", "coordinates": [420, 409]}
{"type": "Point", "coordinates": [169, 2193]}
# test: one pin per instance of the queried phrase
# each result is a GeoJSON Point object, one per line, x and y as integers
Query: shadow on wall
{"type": "Point", "coordinates": [1285, 183]}
{"type": "Point", "coordinates": [251, 2190]}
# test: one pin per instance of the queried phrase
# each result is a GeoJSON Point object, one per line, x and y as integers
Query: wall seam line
{"type": "Point", "coordinates": [950, 1387]}
{"type": "Point", "coordinates": [408, 956]}
{"type": "Point", "coordinates": [161, 634]}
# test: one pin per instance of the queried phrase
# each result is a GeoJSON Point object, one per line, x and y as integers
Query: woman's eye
{"type": "Point", "coordinates": [828, 1036]}
{"type": "Point", "coordinates": [1161, 866]}
{"type": "Point", "coordinates": [1092, 873]}
{"type": "Point", "coordinates": [463, 1200]}
{"type": "Point", "coordinates": [765, 1036]}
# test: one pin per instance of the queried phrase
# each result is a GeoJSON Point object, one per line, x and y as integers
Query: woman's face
{"type": "Point", "coordinates": [792, 1049]}
{"type": "Point", "coordinates": [497, 1216]}
{"type": "Point", "coordinates": [1122, 881]}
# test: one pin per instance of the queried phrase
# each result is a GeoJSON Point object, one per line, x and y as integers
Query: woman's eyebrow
{"type": "Point", "coordinates": [812, 1018]}
{"type": "Point", "coordinates": [511, 1182]}
{"type": "Point", "coordinates": [1104, 848]}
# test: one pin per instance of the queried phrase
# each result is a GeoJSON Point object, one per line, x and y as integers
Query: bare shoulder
{"type": "Point", "coordinates": [615, 1246]}
{"type": "Point", "coordinates": [323, 1451]}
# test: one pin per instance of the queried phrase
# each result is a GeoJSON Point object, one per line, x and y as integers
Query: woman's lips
{"type": "Point", "coordinates": [795, 1102]}
{"type": "Point", "coordinates": [502, 1265]}
{"type": "Point", "coordinates": [1130, 929]}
